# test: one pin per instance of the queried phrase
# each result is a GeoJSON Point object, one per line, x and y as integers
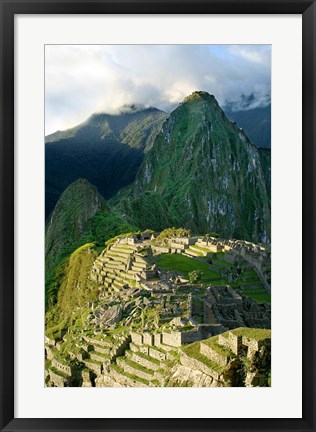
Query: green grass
{"type": "Point", "coordinates": [121, 371]}
{"type": "Point", "coordinates": [222, 261]}
{"type": "Point", "coordinates": [201, 248]}
{"type": "Point", "coordinates": [146, 357]}
{"type": "Point", "coordinates": [193, 350]}
{"type": "Point", "coordinates": [258, 295]}
{"type": "Point", "coordinates": [252, 333]}
{"type": "Point", "coordinates": [185, 265]}
{"type": "Point", "coordinates": [137, 366]}
{"type": "Point", "coordinates": [213, 343]}
{"type": "Point", "coordinates": [59, 373]}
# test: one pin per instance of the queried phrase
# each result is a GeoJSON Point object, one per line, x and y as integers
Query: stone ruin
{"type": "Point", "coordinates": [233, 309]}
{"type": "Point", "coordinates": [239, 357]}
{"type": "Point", "coordinates": [193, 340]}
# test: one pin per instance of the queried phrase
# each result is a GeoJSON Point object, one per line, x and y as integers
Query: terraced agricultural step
{"type": "Point", "coordinates": [251, 285]}
{"type": "Point", "coordinates": [57, 377]}
{"type": "Point", "coordinates": [111, 273]}
{"type": "Point", "coordinates": [104, 342]}
{"type": "Point", "coordinates": [191, 357]}
{"type": "Point", "coordinates": [116, 287]}
{"type": "Point", "coordinates": [121, 277]}
{"type": "Point", "coordinates": [94, 365]}
{"type": "Point", "coordinates": [118, 284]}
{"type": "Point", "coordinates": [216, 352]}
{"type": "Point", "coordinates": [135, 369]}
{"type": "Point", "coordinates": [144, 360]}
{"type": "Point", "coordinates": [250, 277]}
{"type": "Point", "coordinates": [132, 272]}
{"type": "Point", "coordinates": [193, 253]}
{"type": "Point", "coordinates": [155, 352]}
{"type": "Point", "coordinates": [126, 379]}
{"type": "Point", "coordinates": [118, 255]}
{"type": "Point", "coordinates": [99, 357]}
{"type": "Point", "coordinates": [140, 260]}
{"type": "Point", "coordinates": [200, 250]}
{"type": "Point", "coordinates": [127, 249]}
{"type": "Point", "coordinates": [115, 265]}
{"type": "Point", "coordinates": [179, 246]}
{"type": "Point", "coordinates": [109, 280]}
{"type": "Point", "coordinates": [138, 266]}
{"type": "Point", "coordinates": [215, 269]}
{"type": "Point", "coordinates": [101, 349]}
{"type": "Point", "coordinates": [221, 264]}
{"type": "Point", "coordinates": [166, 348]}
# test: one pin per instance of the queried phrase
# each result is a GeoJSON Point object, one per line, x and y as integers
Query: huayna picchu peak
{"type": "Point", "coordinates": [203, 173]}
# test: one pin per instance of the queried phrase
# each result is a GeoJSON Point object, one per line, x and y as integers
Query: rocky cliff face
{"type": "Point", "coordinates": [202, 173]}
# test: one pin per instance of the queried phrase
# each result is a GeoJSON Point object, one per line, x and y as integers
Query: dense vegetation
{"type": "Point", "coordinates": [81, 216]}
{"type": "Point", "coordinates": [202, 173]}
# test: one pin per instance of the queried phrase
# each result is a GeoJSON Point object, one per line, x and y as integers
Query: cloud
{"type": "Point", "coordinates": [83, 79]}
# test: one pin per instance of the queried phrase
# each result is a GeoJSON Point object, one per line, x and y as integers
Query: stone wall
{"type": "Point", "coordinates": [66, 369]}
{"type": "Point", "coordinates": [57, 380]}
{"type": "Point", "coordinates": [160, 249]}
{"type": "Point", "coordinates": [172, 339]}
{"type": "Point", "coordinates": [191, 336]}
{"type": "Point", "coordinates": [196, 364]}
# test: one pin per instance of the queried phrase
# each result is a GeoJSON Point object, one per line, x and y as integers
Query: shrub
{"type": "Point", "coordinates": [195, 276]}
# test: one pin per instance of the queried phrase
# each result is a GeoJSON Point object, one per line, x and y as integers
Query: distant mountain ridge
{"type": "Point", "coordinates": [106, 149]}
{"type": "Point", "coordinates": [256, 123]}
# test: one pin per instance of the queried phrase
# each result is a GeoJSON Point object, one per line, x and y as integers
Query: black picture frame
{"type": "Point", "coordinates": [8, 9]}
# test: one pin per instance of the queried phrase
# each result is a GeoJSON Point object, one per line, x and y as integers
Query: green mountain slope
{"type": "Point", "coordinates": [70, 287]}
{"type": "Point", "coordinates": [202, 173]}
{"type": "Point", "coordinates": [265, 157]}
{"type": "Point", "coordinates": [106, 149]}
{"type": "Point", "coordinates": [80, 216]}
{"type": "Point", "coordinates": [78, 203]}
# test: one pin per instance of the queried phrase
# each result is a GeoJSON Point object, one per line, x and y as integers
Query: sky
{"type": "Point", "coordinates": [84, 79]}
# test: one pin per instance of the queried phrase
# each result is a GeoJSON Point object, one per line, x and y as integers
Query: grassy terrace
{"type": "Point", "coordinates": [260, 295]}
{"type": "Point", "coordinates": [213, 343]}
{"type": "Point", "coordinates": [135, 378]}
{"type": "Point", "coordinates": [136, 366]}
{"type": "Point", "coordinates": [252, 333]}
{"type": "Point", "coordinates": [193, 350]}
{"type": "Point", "coordinates": [185, 265]}
{"type": "Point", "coordinates": [146, 357]}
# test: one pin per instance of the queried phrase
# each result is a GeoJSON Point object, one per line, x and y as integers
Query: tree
{"type": "Point", "coordinates": [195, 276]}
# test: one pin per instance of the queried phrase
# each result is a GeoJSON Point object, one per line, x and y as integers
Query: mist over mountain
{"type": "Point", "coordinates": [107, 150]}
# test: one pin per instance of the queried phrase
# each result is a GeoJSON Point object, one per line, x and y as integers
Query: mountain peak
{"type": "Point", "coordinates": [198, 95]}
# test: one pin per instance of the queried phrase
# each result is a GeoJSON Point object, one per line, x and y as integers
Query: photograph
{"type": "Point", "coordinates": [158, 216]}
